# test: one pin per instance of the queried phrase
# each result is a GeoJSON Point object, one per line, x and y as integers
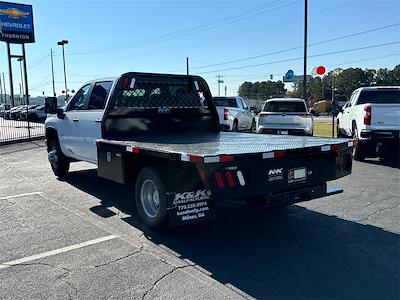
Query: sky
{"type": "Point", "coordinates": [241, 40]}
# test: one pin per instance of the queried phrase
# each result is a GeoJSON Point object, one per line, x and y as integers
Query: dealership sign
{"type": "Point", "coordinates": [16, 23]}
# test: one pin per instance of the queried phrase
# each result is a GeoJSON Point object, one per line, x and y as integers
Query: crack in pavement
{"type": "Point", "coordinates": [118, 259]}
{"type": "Point", "coordinates": [163, 277]}
{"type": "Point", "coordinates": [377, 212]}
{"type": "Point", "coordinates": [60, 277]}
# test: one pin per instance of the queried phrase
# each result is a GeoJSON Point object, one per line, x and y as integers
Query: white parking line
{"type": "Point", "coordinates": [20, 195]}
{"type": "Point", "coordinates": [56, 251]}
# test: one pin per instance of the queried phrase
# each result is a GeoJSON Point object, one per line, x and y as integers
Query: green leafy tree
{"type": "Point", "coordinates": [262, 90]}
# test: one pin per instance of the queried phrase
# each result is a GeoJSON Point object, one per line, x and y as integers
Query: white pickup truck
{"type": "Point", "coordinates": [234, 113]}
{"type": "Point", "coordinates": [372, 116]}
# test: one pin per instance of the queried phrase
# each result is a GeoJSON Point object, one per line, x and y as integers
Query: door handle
{"type": "Point", "coordinates": [75, 120]}
{"type": "Point", "coordinates": [97, 121]}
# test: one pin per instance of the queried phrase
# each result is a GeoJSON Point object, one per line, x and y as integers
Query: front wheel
{"type": "Point", "coordinates": [58, 162]}
{"type": "Point", "coordinates": [151, 199]}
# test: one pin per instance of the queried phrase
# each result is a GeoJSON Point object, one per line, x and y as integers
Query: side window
{"type": "Point", "coordinates": [80, 100]}
{"type": "Point", "coordinates": [239, 102]}
{"type": "Point", "coordinates": [245, 106]}
{"type": "Point", "coordinates": [99, 95]}
{"type": "Point", "coordinates": [353, 99]}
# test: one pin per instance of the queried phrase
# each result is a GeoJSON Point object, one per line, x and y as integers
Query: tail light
{"type": "Point", "coordinates": [219, 180]}
{"type": "Point", "coordinates": [226, 114]}
{"type": "Point", "coordinates": [367, 117]}
{"type": "Point", "coordinates": [229, 178]}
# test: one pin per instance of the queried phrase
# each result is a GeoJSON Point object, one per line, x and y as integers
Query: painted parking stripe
{"type": "Point", "coordinates": [56, 251]}
{"type": "Point", "coordinates": [20, 195]}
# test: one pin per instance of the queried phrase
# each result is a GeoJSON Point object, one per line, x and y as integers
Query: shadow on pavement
{"type": "Point", "coordinates": [295, 254]}
{"type": "Point", "coordinates": [387, 162]}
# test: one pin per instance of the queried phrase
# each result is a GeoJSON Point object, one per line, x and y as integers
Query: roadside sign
{"type": "Point", "coordinates": [320, 70]}
{"type": "Point", "coordinates": [289, 74]}
{"type": "Point", "coordinates": [16, 23]}
{"type": "Point", "coordinates": [297, 78]}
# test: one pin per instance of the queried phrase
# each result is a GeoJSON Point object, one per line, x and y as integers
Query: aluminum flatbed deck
{"type": "Point", "coordinates": [224, 143]}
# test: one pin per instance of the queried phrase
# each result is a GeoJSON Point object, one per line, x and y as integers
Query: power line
{"type": "Point", "coordinates": [329, 66]}
{"type": "Point", "coordinates": [298, 47]}
{"type": "Point", "coordinates": [298, 58]}
{"type": "Point", "coordinates": [192, 30]}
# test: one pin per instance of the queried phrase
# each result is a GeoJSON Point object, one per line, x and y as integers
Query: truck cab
{"type": "Point", "coordinates": [78, 123]}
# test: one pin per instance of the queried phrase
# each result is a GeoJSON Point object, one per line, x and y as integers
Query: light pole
{"type": "Point", "coordinates": [22, 80]}
{"type": "Point", "coordinates": [62, 43]}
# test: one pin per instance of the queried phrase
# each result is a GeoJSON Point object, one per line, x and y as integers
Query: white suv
{"type": "Point", "coordinates": [285, 116]}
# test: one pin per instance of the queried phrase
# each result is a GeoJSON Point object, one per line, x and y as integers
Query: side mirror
{"type": "Point", "coordinates": [50, 105]}
{"type": "Point", "coordinates": [253, 108]}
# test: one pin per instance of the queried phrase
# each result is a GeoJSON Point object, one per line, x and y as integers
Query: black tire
{"type": "Point", "coordinates": [235, 126]}
{"type": "Point", "coordinates": [58, 161]}
{"type": "Point", "coordinates": [253, 126]}
{"type": "Point", "coordinates": [358, 153]}
{"type": "Point", "coordinates": [154, 217]}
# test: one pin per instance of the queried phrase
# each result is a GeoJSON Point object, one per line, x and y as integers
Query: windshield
{"type": "Point", "coordinates": [379, 96]}
{"type": "Point", "coordinates": [284, 106]}
{"type": "Point", "coordinates": [227, 102]}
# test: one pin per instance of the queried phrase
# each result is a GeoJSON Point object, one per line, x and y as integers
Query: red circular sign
{"type": "Point", "coordinates": [320, 70]}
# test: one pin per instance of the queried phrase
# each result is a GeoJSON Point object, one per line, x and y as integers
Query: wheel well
{"type": "Point", "coordinates": [51, 134]}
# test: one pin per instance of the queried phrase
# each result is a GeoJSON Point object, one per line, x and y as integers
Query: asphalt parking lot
{"type": "Point", "coordinates": [80, 238]}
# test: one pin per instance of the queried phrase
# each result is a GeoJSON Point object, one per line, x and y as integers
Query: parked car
{"type": "Point", "coordinates": [234, 113]}
{"type": "Point", "coordinates": [35, 112]}
{"type": "Point", "coordinates": [372, 117]}
{"type": "Point", "coordinates": [285, 116]}
{"type": "Point", "coordinates": [16, 111]}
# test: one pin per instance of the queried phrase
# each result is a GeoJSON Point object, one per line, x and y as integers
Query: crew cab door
{"type": "Point", "coordinates": [91, 118]}
{"type": "Point", "coordinates": [69, 132]}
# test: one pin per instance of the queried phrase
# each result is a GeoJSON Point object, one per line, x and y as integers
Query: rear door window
{"type": "Point", "coordinates": [379, 96]}
{"type": "Point", "coordinates": [284, 106]}
{"type": "Point", "coordinates": [99, 95]}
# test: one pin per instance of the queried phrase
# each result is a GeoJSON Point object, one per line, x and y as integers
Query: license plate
{"type": "Point", "coordinates": [297, 175]}
{"type": "Point", "coordinates": [284, 132]}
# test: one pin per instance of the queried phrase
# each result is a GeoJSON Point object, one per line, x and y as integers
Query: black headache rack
{"type": "Point", "coordinates": [145, 104]}
{"type": "Point", "coordinates": [204, 168]}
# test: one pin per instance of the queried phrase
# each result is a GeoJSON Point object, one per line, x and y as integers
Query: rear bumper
{"type": "Point", "coordinates": [381, 136]}
{"type": "Point", "coordinates": [290, 131]}
{"type": "Point", "coordinates": [301, 195]}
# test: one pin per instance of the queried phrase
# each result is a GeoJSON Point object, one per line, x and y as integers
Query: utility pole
{"type": "Point", "coordinates": [10, 74]}
{"type": "Point", "coordinates": [52, 72]}
{"type": "Point", "coordinates": [1, 91]}
{"type": "Point", "coordinates": [5, 90]}
{"type": "Point", "coordinates": [219, 83]}
{"type": "Point", "coordinates": [22, 80]}
{"type": "Point", "coordinates": [225, 90]}
{"type": "Point", "coordinates": [187, 66]}
{"type": "Point", "coordinates": [305, 53]}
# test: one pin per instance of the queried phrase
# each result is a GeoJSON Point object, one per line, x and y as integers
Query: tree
{"type": "Point", "coordinates": [262, 90]}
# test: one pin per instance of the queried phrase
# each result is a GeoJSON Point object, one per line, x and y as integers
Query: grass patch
{"type": "Point", "coordinates": [323, 129]}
